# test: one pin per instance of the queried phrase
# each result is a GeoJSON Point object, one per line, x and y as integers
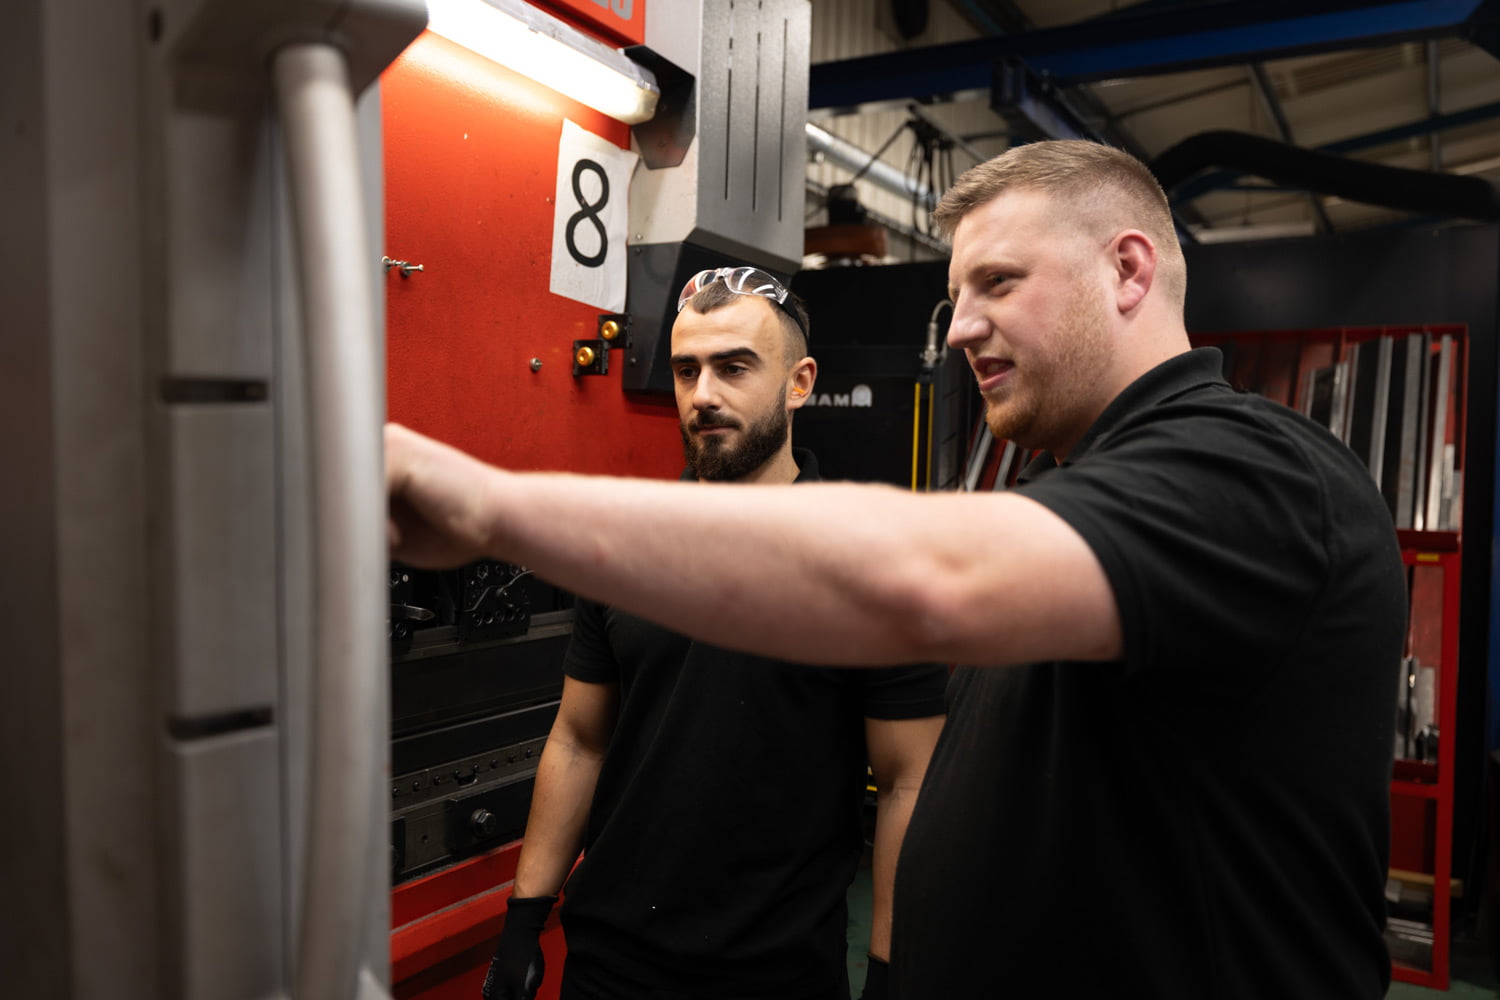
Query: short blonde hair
{"type": "Point", "coordinates": [1101, 185]}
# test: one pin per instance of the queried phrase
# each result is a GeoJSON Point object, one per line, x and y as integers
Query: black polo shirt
{"type": "Point", "coordinates": [1208, 816]}
{"type": "Point", "coordinates": [725, 827]}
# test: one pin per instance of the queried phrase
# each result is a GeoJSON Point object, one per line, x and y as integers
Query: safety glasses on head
{"type": "Point", "coordinates": [743, 281]}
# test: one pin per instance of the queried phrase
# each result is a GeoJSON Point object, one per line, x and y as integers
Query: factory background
{"type": "Point", "coordinates": [230, 722]}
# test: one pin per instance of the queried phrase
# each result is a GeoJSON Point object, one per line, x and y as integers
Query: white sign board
{"type": "Point", "coordinates": [591, 219]}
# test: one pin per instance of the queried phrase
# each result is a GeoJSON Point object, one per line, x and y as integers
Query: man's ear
{"type": "Point", "coordinates": [804, 374]}
{"type": "Point", "coordinates": [1135, 268]}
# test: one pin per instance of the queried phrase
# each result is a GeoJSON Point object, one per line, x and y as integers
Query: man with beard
{"type": "Point", "coordinates": [716, 796]}
{"type": "Point", "coordinates": [1165, 772]}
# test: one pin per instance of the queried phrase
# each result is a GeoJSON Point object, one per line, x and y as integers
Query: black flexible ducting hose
{"type": "Point", "coordinates": [1290, 166]}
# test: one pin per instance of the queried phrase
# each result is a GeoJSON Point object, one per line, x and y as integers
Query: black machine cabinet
{"type": "Point", "coordinates": [476, 674]}
{"type": "Point", "coordinates": [875, 404]}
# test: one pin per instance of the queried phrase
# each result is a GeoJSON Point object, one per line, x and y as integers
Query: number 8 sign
{"type": "Point", "coordinates": [590, 219]}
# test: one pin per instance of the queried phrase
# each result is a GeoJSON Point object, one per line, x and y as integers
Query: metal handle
{"type": "Point", "coordinates": [343, 863]}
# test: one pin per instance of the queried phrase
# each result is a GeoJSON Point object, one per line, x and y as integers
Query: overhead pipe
{"type": "Point", "coordinates": [1291, 166]}
{"type": "Point", "coordinates": [849, 156]}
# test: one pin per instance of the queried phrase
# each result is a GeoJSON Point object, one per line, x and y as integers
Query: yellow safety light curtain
{"type": "Point", "coordinates": [916, 430]}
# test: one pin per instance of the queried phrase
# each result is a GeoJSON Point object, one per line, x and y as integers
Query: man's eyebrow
{"type": "Point", "coordinates": [733, 352]}
{"type": "Point", "coordinates": [980, 267]}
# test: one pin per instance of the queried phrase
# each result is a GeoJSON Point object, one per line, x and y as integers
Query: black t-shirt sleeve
{"type": "Point", "coordinates": [1207, 519]}
{"type": "Point", "coordinates": [589, 657]}
{"type": "Point", "coordinates": [905, 692]}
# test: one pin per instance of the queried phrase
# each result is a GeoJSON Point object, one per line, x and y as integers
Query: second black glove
{"type": "Point", "coordinates": [517, 967]}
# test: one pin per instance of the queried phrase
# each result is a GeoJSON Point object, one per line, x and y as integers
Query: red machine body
{"type": "Point", "coordinates": [471, 154]}
{"type": "Point", "coordinates": [444, 925]}
{"type": "Point", "coordinates": [621, 22]}
{"type": "Point", "coordinates": [471, 164]}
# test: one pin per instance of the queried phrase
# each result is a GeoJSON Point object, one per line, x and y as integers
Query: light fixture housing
{"type": "Point", "coordinates": [523, 38]}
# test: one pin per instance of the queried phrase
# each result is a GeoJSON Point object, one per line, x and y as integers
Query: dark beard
{"type": "Point", "coordinates": [712, 462]}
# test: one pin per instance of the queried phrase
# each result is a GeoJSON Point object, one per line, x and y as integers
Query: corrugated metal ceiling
{"type": "Point", "coordinates": [1323, 98]}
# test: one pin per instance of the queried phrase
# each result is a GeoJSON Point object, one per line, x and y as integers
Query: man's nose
{"type": "Point", "coordinates": [706, 392]}
{"type": "Point", "coordinates": [969, 327]}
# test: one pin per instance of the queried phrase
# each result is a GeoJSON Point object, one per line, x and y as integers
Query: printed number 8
{"type": "Point", "coordinates": [590, 211]}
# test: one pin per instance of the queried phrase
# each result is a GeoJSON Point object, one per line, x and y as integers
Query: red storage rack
{"type": "Point", "coordinates": [1277, 364]}
{"type": "Point", "coordinates": [1422, 792]}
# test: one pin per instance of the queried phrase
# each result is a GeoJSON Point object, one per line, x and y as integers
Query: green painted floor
{"type": "Point", "coordinates": [1471, 966]}
{"type": "Point", "coordinates": [1471, 974]}
{"type": "Point", "coordinates": [859, 930]}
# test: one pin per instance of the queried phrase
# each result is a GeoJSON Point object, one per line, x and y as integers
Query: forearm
{"type": "Point", "coordinates": [830, 573]}
{"type": "Point", "coordinates": [565, 780]}
{"type": "Point", "coordinates": [792, 562]}
{"type": "Point", "coordinates": [892, 814]}
{"type": "Point", "coordinates": [824, 573]}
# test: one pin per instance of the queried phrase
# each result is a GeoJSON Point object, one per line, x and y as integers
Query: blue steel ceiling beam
{"type": "Point", "coordinates": [1077, 105]}
{"type": "Point", "coordinates": [1003, 17]}
{"type": "Point", "coordinates": [1157, 41]}
{"type": "Point", "coordinates": [1143, 54]}
{"type": "Point", "coordinates": [1034, 108]}
{"type": "Point", "coordinates": [1426, 126]}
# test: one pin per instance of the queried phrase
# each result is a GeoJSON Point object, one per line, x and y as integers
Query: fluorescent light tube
{"type": "Point", "coordinates": [555, 54]}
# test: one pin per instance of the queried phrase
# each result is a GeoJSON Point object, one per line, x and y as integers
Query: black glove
{"type": "Point", "coordinates": [877, 980]}
{"type": "Point", "coordinates": [517, 968]}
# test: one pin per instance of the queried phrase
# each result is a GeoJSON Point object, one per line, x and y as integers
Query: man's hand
{"type": "Point", "coordinates": [437, 510]}
{"type": "Point", "coordinates": [877, 980]}
{"type": "Point", "coordinates": [516, 970]}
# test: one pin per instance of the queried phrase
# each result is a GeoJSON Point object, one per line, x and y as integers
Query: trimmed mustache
{"type": "Point", "coordinates": [707, 421]}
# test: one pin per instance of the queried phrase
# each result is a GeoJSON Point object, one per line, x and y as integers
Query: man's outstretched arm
{"type": "Point", "coordinates": [828, 573]}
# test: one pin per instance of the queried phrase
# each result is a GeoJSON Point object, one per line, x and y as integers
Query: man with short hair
{"type": "Point", "coordinates": [716, 796]}
{"type": "Point", "coordinates": [1166, 773]}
